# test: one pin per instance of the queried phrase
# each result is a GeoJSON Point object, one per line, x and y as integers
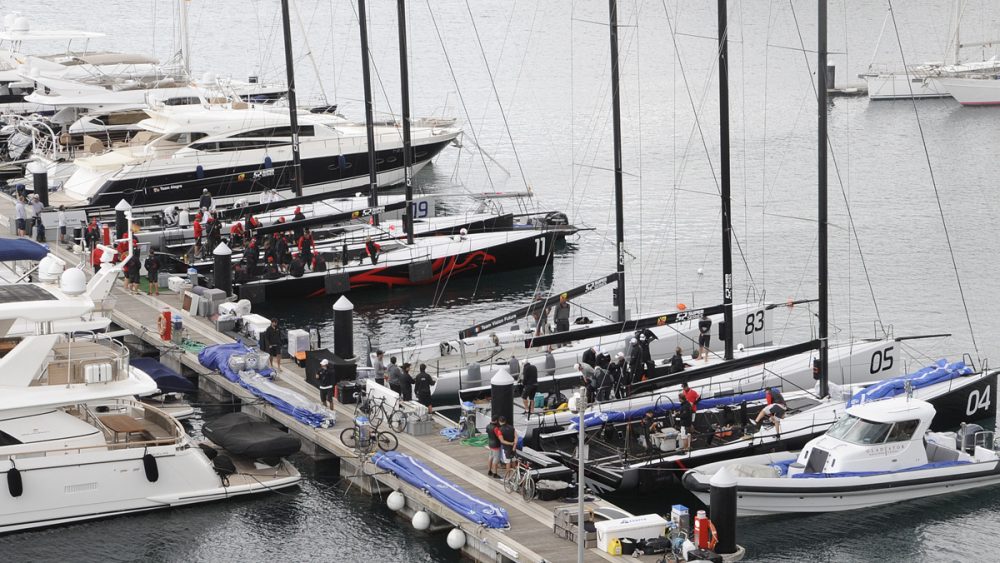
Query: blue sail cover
{"type": "Point", "coordinates": [167, 380]}
{"type": "Point", "coordinates": [217, 358]}
{"type": "Point", "coordinates": [21, 249]}
{"type": "Point", "coordinates": [937, 372]}
{"type": "Point", "coordinates": [662, 406]}
{"type": "Point", "coordinates": [446, 492]}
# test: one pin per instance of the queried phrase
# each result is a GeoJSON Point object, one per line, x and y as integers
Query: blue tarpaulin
{"type": "Point", "coordinates": [217, 358]}
{"type": "Point", "coordinates": [939, 371]}
{"type": "Point", "coordinates": [21, 249]}
{"type": "Point", "coordinates": [446, 492]}
{"type": "Point", "coordinates": [167, 380]}
{"type": "Point", "coordinates": [663, 405]}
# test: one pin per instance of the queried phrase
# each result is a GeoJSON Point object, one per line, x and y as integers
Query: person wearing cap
{"type": "Point", "coordinates": [297, 229]}
{"type": "Point", "coordinates": [587, 373]}
{"type": "Point", "coordinates": [36, 210]}
{"type": "Point", "coordinates": [205, 201]}
{"type": "Point", "coordinates": [590, 356]}
{"type": "Point", "coordinates": [21, 217]}
{"type": "Point", "coordinates": [326, 381]}
{"type": "Point", "coordinates": [618, 370]}
{"type": "Point", "coordinates": [774, 411]}
{"type": "Point", "coordinates": [635, 366]}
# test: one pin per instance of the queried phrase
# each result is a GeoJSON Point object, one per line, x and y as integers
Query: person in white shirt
{"type": "Point", "coordinates": [61, 220]}
{"type": "Point", "coordinates": [21, 216]}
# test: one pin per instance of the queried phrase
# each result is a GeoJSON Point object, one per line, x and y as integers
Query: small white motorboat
{"type": "Point", "coordinates": [878, 453]}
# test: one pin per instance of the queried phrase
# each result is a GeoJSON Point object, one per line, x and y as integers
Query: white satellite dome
{"type": "Point", "coordinates": [20, 24]}
{"type": "Point", "coordinates": [50, 268]}
{"type": "Point", "coordinates": [73, 281]}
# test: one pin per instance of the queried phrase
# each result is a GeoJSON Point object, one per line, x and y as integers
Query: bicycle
{"type": "Point", "coordinates": [364, 438]}
{"type": "Point", "coordinates": [519, 479]}
{"type": "Point", "coordinates": [378, 412]}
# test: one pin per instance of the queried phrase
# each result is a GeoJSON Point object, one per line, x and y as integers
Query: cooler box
{"type": "Point", "coordinates": [298, 341]}
{"type": "Point", "coordinates": [229, 309]}
{"type": "Point", "coordinates": [178, 284]}
{"type": "Point", "coordinates": [255, 325]}
{"type": "Point", "coordinates": [644, 527]}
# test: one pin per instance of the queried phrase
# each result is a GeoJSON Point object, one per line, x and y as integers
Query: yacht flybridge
{"type": "Point", "coordinates": [75, 445]}
{"type": "Point", "coordinates": [235, 152]}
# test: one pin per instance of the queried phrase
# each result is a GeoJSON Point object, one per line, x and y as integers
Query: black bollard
{"type": "Point", "coordinates": [121, 223]}
{"type": "Point", "coordinates": [222, 269]}
{"type": "Point", "coordinates": [502, 395]}
{"type": "Point", "coordinates": [343, 328]}
{"type": "Point", "coordinates": [41, 181]}
{"type": "Point", "coordinates": [722, 507]}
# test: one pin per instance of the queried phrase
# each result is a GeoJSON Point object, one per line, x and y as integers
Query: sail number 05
{"type": "Point", "coordinates": [881, 361]}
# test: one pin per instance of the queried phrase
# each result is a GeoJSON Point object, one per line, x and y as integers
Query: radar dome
{"type": "Point", "coordinates": [73, 281]}
{"type": "Point", "coordinates": [50, 268]}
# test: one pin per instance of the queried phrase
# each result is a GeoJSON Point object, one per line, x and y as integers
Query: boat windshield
{"type": "Point", "coordinates": [860, 431]}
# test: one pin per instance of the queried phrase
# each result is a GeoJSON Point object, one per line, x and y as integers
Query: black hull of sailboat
{"type": "Point", "coordinates": [503, 257]}
{"type": "Point", "coordinates": [964, 402]}
{"type": "Point", "coordinates": [247, 180]}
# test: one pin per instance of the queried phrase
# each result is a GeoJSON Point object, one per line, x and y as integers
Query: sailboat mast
{"type": "Point", "coordinates": [824, 344]}
{"type": "Point", "coordinates": [619, 203]}
{"type": "Point", "coordinates": [727, 219]}
{"type": "Point", "coordinates": [404, 77]}
{"type": "Point", "coordinates": [293, 117]}
{"type": "Point", "coordinates": [369, 118]}
{"type": "Point", "coordinates": [185, 41]}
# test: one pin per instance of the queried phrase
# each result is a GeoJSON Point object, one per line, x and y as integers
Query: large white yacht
{"type": "Point", "coordinates": [75, 445]}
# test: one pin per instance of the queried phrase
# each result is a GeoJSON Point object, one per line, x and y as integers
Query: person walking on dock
{"type": "Point", "coordinates": [493, 469]}
{"type": "Point", "coordinates": [406, 382]}
{"type": "Point", "coordinates": [394, 372]}
{"type": "Point", "coordinates": [529, 376]}
{"type": "Point", "coordinates": [422, 388]}
{"type": "Point", "coordinates": [272, 342]}
{"type": "Point", "coordinates": [152, 266]}
{"type": "Point", "coordinates": [21, 217]}
{"type": "Point", "coordinates": [326, 378]}
{"type": "Point", "coordinates": [61, 223]}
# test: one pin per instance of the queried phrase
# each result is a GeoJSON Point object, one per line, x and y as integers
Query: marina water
{"type": "Point", "coordinates": [548, 68]}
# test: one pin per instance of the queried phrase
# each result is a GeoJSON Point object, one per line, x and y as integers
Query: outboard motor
{"type": "Point", "coordinates": [556, 219]}
{"type": "Point", "coordinates": [966, 438]}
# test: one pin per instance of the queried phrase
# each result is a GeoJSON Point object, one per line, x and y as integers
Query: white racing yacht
{"type": "Point", "coordinates": [75, 446]}
{"type": "Point", "coordinates": [878, 453]}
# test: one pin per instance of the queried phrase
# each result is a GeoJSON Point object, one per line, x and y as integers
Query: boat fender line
{"type": "Point", "coordinates": [14, 484]}
{"type": "Point", "coordinates": [149, 465]}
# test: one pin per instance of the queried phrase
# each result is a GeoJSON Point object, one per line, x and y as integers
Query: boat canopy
{"type": "Point", "coordinates": [937, 372]}
{"type": "Point", "coordinates": [167, 380]}
{"type": "Point", "coordinates": [21, 249]}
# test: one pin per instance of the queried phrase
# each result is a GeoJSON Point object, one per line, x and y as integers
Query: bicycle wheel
{"type": "Point", "coordinates": [510, 480]}
{"type": "Point", "coordinates": [349, 437]}
{"type": "Point", "coordinates": [528, 488]}
{"type": "Point", "coordinates": [386, 441]}
{"type": "Point", "coordinates": [376, 417]}
{"type": "Point", "coordinates": [397, 420]}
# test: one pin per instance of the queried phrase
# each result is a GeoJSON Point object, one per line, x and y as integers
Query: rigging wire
{"type": "Point", "coordinates": [937, 195]}
{"type": "Point", "coordinates": [840, 181]}
{"type": "Point", "coordinates": [496, 93]}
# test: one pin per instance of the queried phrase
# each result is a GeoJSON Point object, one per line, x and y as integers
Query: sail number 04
{"type": "Point", "coordinates": [978, 400]}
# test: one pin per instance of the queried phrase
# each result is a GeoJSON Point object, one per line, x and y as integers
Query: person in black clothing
{"type": "Point", "coordinates": [635, 365]}
{"type": "Point", "coordinates": [318, 262]}
{"type": "Point", "coordinates": [297, 229]}
{"type": "Point", "coordinates": [529, 376]}
{"type": "Point", "coordinates": [240, 274]}
{"type": "Point", "coordinates": [272, 342]}
{"type": "Point", "coordinates": [649, 427]}
{"type": "Point", "coordinates": [282, 254]}
{"type": "Point", "coordinates": [685, 415]}
{"type": "Point", "coordinates": [406, 383]}
{"type": "Point", "coordinates": [326, 382]}
{"type": "Point", "coordinates": [205, 201]}
{"type": "Point", "coordinates": [152, 265]}
{"type": "Point", "coordinates": [372, 248]}
{"type": "Point", "coordinates": [704, 337]}
{"type": "Point", "coordinates": [605, 383]}
{"type": "Point", "coordinates": [271, 271]}
{"type": "Point", "coordinates": [251, 254]}
{"type": "Point", "coordinates": [422, 387]}
{"type": "Point", "coordinates": [214, 233]}
{"type": "Point", "coordinates": [590, 357]}
{"type": "Point", "coordinates": [508, 441]}
{"type": "Point", "coordinates": [677, 361]}
{"type": "Point", "coordinates": [306, 244]}
{"type": "Point", "coordinates": [618, 373]}
{"type": "Point", "coordinates": [297, 268]}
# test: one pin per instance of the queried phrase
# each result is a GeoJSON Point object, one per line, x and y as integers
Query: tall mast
{"type": "Point", "coordinates": [293, 118]}
{"type": "Point", "coordinates": [727, 219]}
{"type": "Point", "coordinates": [185, 41]}
{"type": "Point", "coordinates": [824, 343]}
{"type": "Point", "coordinates": [404, 77]}
{"type": "Point", "coordinates": [617, 117]}
{"type": "Point", "coordinates": [369, 119]}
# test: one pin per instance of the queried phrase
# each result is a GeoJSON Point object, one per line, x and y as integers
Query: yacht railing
{"type": "Point", "coordinates": [87, 362]}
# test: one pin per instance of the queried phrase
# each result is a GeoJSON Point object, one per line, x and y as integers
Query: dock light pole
{"type": "Point", "coordinates": [581, 532]}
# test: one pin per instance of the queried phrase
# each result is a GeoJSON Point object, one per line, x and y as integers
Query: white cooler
{"type": "Point", "coordinates": [255, 324]}
{"type": "Point", "coordinates": [178, 284]}
{"type": "Point", "coordinates": [644, 527]}
{"type": "Point", "coordinates": [298, 341]}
